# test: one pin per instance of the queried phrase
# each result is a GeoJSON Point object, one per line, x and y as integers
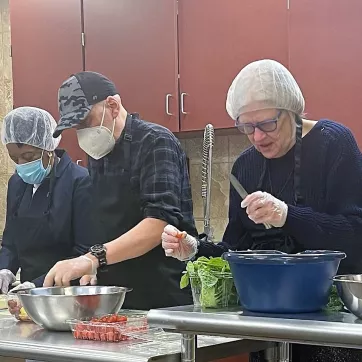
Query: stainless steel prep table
{"type": "Point", "coordinates": [27, 340]}
{"type": "Point", "coordinates": [327, 329]}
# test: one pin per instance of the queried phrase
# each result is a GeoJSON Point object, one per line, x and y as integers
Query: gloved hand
{"type": "Point", "coordinates": [66, 270]}
{"type": "Point", "coordinates": [6, 278]}
{"type": "Point", "coordinates": [88, 280]}
{"type": "Point", "coordinates": [14, 304]}
{"type": "Point", "coordinates": [178, 244]}
{"type": "Point", "coordinates": [262, 207]}
{"type": "Point", "coordinates": [25, 285]}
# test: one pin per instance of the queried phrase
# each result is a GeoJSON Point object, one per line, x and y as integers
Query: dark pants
{"type": "Point", "coordinates": [303, 353]}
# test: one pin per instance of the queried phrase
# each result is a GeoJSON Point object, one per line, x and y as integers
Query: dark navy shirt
{"type": "Point", "coordinates": [70, 211]}
{"type": "Point", "coordinates": [330, 216]}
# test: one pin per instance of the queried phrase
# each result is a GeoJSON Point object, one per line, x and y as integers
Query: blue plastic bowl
{"type": "Point", "coordinates": [275, 282]}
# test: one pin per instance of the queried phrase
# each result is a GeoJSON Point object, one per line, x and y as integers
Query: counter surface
{"type": "Point", "coordinates": [27, 340]}
{"type": "Point", "coordinates": [331, 329]}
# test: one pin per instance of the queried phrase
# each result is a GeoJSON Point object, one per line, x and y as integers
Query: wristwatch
{"type": "Point", "coordinates": [100, 252]}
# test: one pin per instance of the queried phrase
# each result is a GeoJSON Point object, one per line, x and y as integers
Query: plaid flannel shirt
{"type": "Point", "coordinates": [158, 174]}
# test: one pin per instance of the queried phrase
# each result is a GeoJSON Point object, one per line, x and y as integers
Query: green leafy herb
{"type": "Point", "coordinates": [334, 304]}
{"type": "Point", "coordinates": [212, 279]}
{"type": "Point", "coordinates": [184, 282]}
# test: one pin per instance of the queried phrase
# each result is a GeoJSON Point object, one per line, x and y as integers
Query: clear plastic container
{"type": "Point", "coordinates": [153, 348]}
{"type": "Point", "coordinates": [3, 301]}
{"type": "Point", "coordinates": [13, 303]}
{"type": "Point", "coordinates": [116, 331]}
{"type": "Point", "coordinates": [154, 335]}
{"type": "Point", "coordinates": [218, 293]}
{"type": "Point", "coordinates": [195, 283]}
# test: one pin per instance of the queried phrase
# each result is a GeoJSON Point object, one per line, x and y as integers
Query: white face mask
{"type": "Point", "coordinates": [97, 142]}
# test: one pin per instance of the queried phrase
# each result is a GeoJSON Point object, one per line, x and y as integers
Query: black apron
{"type": "Point", "coordinates": [277, 238]}
{"type": "Point", "coordinates": [154, 277]}
{"type": "Point", "coordinates": [32, 235]}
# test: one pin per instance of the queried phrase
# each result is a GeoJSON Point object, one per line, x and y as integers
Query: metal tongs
{"type": "Point", "coordinates": [241, 191]}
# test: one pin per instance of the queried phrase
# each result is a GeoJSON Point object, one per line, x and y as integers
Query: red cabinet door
{"type": "Point", "coordinates": [325, 44]}
{"type": "Point", "coordinates": [46, 49]}
{"type": "Point", "coordinates": [134, 43]}
{"type": "Point", "coordinates": [216, 39]}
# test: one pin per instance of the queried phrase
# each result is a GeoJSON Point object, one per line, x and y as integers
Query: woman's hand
{"type": "Point", "coordinates": [6, 278]}
{"type": "Point", "coordinates": [263, 208]}
{"type": "Point", "coordinates": [14, 305]}
{"type": "Point", "coordinates": [25, 285]}
{"type": "Point", "coordinates": [178, 244]}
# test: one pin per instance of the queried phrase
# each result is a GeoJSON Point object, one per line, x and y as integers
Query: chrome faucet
{"type": "Point", "coordinates": [207, 146]}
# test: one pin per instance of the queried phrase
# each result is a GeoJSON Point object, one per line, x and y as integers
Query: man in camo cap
{"type": "Point", "coordinates": [75, 101]}
{"type": "Point", "coordinates": [141, 184]}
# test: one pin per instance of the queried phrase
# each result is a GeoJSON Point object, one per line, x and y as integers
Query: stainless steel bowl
{"type": "Point", "coordinates": [349, 288]}
{"type": "Point", "coordinates": [52, 307]}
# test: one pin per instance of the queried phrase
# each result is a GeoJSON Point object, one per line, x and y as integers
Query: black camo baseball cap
{"type": "Point", "coordinates": [78, 94]}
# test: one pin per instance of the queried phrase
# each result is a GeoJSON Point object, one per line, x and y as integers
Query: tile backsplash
{"type": "Point", "coordinates": [225, 152]}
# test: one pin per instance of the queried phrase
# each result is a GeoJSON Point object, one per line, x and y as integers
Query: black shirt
{"type": "Point", "coordinates": [158, 173]}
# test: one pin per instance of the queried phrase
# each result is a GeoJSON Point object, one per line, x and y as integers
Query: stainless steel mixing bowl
{"type": "Point", "coordinates": [349, 288]}
{"type": "Point", "coordinates": [52, 307]}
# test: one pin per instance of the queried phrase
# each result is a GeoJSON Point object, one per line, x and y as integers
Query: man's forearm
{"type": "Point", "coordinates": [138, 241]}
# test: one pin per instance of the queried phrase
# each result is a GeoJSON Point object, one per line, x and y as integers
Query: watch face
{"type": "Point", "coordinates": [97, 248]}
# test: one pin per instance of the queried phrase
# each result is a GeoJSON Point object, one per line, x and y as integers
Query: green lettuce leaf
{"type": "Point", "coordinates": [184, 282]}
{"type": "Point", "coordinates": [217, 290]}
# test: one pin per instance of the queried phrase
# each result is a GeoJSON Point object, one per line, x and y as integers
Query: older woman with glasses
{"type": "Point", "coordinates": [304, 178]}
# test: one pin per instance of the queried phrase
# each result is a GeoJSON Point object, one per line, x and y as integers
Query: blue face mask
{"type": "Point", "coordinates": [33, 172]}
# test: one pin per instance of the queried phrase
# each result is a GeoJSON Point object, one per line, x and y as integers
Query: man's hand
{"type": "Point", "coordinates": [88, 280]}
{"type": "Point", "coordinates": [178, 244]}
{"type": "Point", "coordinates": [65, 271]}
{"type": "Point", "coordinates": [136, 242]}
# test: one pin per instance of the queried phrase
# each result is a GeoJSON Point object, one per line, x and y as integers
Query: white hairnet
{"type": "Point", "coordinates": [30, 126]}
{"type": "Point", "coordinates": [264, 84]}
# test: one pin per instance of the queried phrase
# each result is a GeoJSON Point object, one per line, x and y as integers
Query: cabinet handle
{"type": "Point", "coordinates": [168, 104]}
{"type": "Point", "coordinates": [79, 161]}
{"type": "Point", "coordinates": [183, 103]}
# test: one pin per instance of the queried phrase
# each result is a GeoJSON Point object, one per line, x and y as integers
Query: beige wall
{"type": "Point", "coordinates": [225, 152]}
{"type": "Point", "coordinates": [6, 102]}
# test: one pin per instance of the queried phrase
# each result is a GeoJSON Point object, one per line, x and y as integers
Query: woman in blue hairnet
{"type": "Point", "coordinates": [48, 201]}
{"type": "Point", "coordinates": [304, 178]}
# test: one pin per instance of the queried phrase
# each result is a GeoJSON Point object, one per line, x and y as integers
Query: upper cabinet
{"type": "Point", "coordinates": [46, 50]}
{"type": "Point", "coordinates": [325, 42]}
{"type": "Point", "coordinates": [174, 60]}
{"type": "Point", "coordinates": [134, 43]}
{"type": "Point", "coordinates": [216, 39]}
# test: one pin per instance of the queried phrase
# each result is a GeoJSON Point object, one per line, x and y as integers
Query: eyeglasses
{"type": "Point", "coordinates": [269, 125]}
